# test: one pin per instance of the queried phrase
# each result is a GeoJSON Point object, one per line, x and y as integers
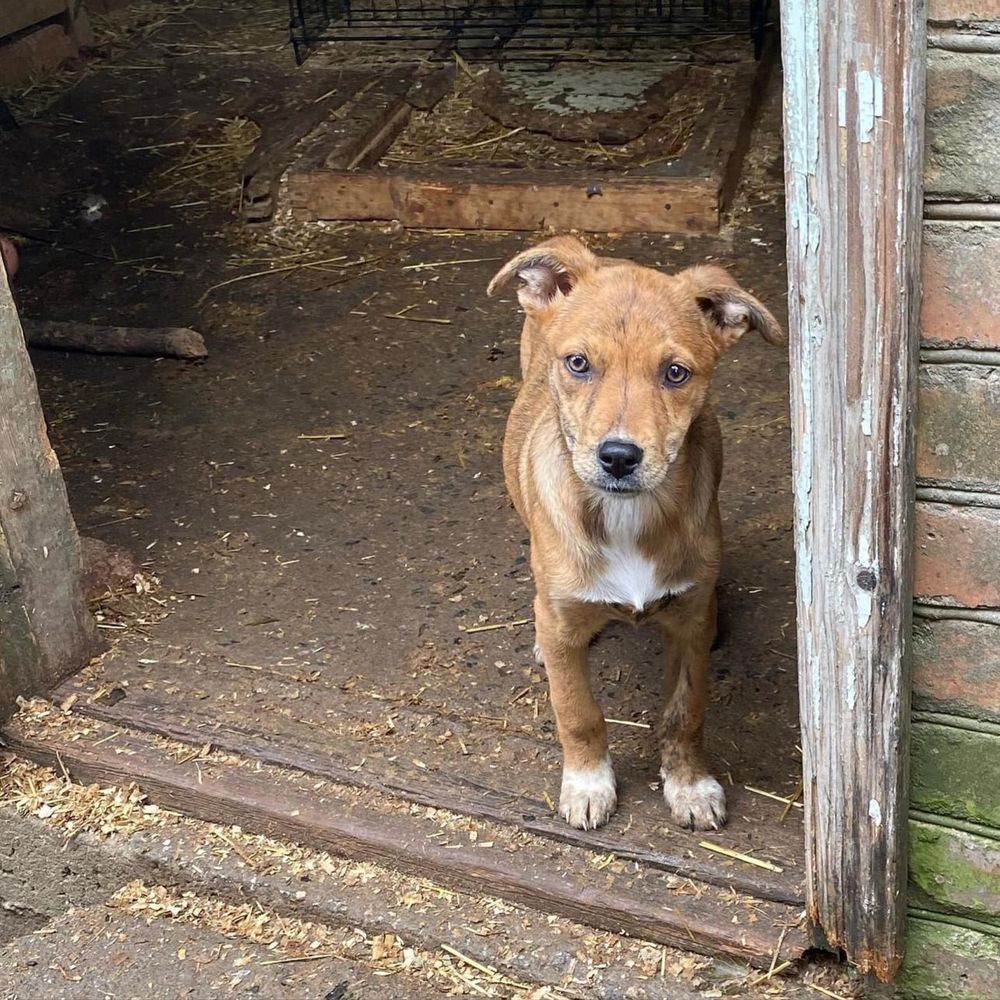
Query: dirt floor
{"type": "Point", "coordinates": [322, 501]}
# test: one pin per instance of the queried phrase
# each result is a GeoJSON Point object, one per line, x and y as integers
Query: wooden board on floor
{"type": "Point", "coordinates": [687, 194]}
{"type": "Point", "coordinates": [504, 862]}
{"type": "Point", "coordinates": [475, 790]}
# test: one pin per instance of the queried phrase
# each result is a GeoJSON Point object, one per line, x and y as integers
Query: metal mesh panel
{"type": "Point", "coordinates": [520, 28]}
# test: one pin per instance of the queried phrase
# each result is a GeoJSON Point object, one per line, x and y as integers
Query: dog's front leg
{"type": "Point", "coordinates": [588, 796]}
{"type": "Point", "coordinates": [696, 799]}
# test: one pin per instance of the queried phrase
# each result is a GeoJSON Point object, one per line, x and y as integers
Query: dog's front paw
{"type": "Point", "coordinates": [588, 798]}
{"type": "Point", "coordinates": [697, 805]}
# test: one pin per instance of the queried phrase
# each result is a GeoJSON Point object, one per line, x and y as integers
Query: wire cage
{"type": "Point", "coordinates": [522, 29]}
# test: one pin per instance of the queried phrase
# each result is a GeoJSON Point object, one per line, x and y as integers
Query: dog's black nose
{"type": "Point", "coordinates": [619, 458]}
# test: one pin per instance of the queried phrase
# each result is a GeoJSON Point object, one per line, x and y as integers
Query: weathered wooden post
{"type": "Point", "coordinates": [46, 631]}
{"type": "Point", "coordinates": [854, 112]}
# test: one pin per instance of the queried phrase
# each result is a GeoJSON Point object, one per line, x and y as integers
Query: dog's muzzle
{"type": "Point", "coordinates": [619, 459]}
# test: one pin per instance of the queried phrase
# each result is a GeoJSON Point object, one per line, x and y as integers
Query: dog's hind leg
{"type": "Point", "coordinates": [696, 799]}
{"type": "Point", "coordinates": [588, 796]}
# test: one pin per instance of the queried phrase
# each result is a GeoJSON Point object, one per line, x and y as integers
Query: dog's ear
{"type": "Point", "coordinates": [729, 310]}
{"type": "Point", "coordinates": [551, 269]}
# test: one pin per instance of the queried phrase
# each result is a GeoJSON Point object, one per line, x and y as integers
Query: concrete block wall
{"type": "Point", "coordinates": [953, 947]}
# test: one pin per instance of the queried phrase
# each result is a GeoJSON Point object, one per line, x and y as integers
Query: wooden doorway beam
{"type": "Point", "coordinates": [46, 630]}
{"type": "Point", "coordinates": [854, 109]}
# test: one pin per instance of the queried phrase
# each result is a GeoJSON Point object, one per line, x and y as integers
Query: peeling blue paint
{"type": "Point", "coordinates": [870, 103]}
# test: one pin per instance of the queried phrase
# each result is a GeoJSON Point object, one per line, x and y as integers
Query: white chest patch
{"type": "Point", "coordinates": [625, 575]}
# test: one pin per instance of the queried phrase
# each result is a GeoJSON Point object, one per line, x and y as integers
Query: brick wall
{"type": "Point", "coordinates": [953, 949]}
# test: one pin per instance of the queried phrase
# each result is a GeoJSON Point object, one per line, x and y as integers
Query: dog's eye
{"type": "Point", "coordinates": [676, 375]}
{"type": "Point", "coordinates": [578, 364]}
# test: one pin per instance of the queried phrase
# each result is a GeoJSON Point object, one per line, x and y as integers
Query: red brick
{"type": "Point", "coordinates": [37, 52]}
{"type": "Point", "coordinates": [958, 426]}
{"type": "Point", "coordinates": [961, 285]}
{"type": "Point", "coordinates": [944, 11]}
{"type": "Point", "coordinates": [963, 94]}
{"type": "Point", "coordinates": [958, 555]}
{"type": "Point", "coordinates": [956, 668]}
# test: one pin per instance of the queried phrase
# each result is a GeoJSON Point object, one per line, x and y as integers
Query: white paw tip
{"type": "Point", "coordinates": [697, 805]}
{"type": "Point", "coordinates": [588, 798]}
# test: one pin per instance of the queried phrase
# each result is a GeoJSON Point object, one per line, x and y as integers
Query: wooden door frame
{"type": "Point", "coordinates": [854, 108]}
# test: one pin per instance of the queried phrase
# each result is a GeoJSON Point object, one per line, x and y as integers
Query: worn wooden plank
{"type": "Point", "coordinates": [16, 15]}
{"type": "Point", "coordinates": [961, 285]}
{"type": "Point", "coordinates": [954, 871]}
{"type": "Point", "coordinates": [854, 97]}
{"type": "Point", "coordinates": [647, 904]}
{"type": "Point", "coordinates": [963, 106]}
{"type": "Point", "coordinates": [956, 668]}
{"type": "Point", "coordinates": [467, 793]}
{"type": "Point", "coordinates": [720, 138]}
{"type": "Point", "coordinates": [35, 52]}
{"type": "Point", "coordinates": [509, 200]}
{"type": "Point", "coordinates": [46, 630]}
{"type": "Point", "coordinates": [948, 962]}
{"type": "Point", "coordinates": [958, 426]}
{"type": "Point", "coordinates": [298, 114]}
{"type": "Point", "coordinates": [953, 771]}
{"type": "Point", "coordinates": [957, 554]}
{"type": "Point", "coordinates": [347, 136]}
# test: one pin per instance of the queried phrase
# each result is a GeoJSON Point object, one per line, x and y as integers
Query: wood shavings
{"type": "Point", "coordinates": [75, 809]}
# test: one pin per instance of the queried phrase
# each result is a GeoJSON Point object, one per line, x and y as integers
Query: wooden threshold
{"type": "Point", "coordinates": [515, 200]}
{"type": "Point", "coordinates": [687, 195]}
{"type": "Point", "coordinates": [473, 792]}
{"type": "Point", "coordinates": [603, 892]}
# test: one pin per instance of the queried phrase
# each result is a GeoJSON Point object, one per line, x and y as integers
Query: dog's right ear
{"type": "Point", "coordinates": [550, 270]}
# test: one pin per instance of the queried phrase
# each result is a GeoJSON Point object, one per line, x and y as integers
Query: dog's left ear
{"type": "Point", "coordinates": [730, 311]}
{"type": "Point", "coordinates": [550, 270]}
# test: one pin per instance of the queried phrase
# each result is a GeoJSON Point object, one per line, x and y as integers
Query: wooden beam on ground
{"type": "Point", "coordinates": [508, 200]}
{"type": "Point", "coordinates": [503, 861]}
{"type": "Point", "coordinates": [337, 177]}
{"type": "Point", "coordinates": [155, 342]}
{"type": "Point", "coordinates": [854, 112]}
{"type": "Point", "coordinates": [283, 129]}
{"type": "Point", "coordinates": [463, 793]}
{"type": "Point", "coordinates": [46, 630]}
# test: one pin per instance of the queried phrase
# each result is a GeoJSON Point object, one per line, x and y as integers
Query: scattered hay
{"type": "Point", "coordinates": [207, 167]}
{"type": "Point", "coordinates": [316, 256]}
{"type": "Point", "coordinates": [114, 32]}
{"type": "Point", "coordinates": [458, 133]}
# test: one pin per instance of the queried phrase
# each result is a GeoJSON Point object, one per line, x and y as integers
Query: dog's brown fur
{"type": "Point", "coordinates": [652, 554]}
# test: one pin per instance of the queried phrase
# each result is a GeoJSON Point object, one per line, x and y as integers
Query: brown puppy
{"type": "Point", "coordinates": [613, 457]}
